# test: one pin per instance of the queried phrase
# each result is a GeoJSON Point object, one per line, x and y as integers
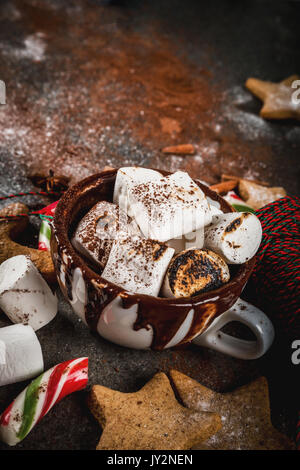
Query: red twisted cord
{"type": "Point", "coordinates": [31, 193]}
{"type": "Point", "coordinates": [16, 216]}
{"type": "Point", "coordinates": [28, 193]}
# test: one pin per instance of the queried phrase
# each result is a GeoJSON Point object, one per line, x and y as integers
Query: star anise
{"type": "Point", "coordinates": [51, 183]}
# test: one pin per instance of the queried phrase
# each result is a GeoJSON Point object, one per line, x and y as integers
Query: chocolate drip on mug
{"type": "Point", "coordinates": [164, 315]}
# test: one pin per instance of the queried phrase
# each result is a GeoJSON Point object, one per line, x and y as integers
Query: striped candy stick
{"type": "Point", "coordinates": [238, 203]}
{"type": "Point", "coordinates": [45, 228]}
{"type": "Point", "coordinates": [44, 236]}
{"type": "Point", "coordinates": [40, 396]}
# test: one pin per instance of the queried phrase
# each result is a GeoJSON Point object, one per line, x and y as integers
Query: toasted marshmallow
{"type": "Point", "coordinates": [127, 177]}
{"type": "Point", "coordinates": [168, 208]}
{"type": "Point", "coordinates": [97, 230]}
{"type": "Point", "coordinates": [138, 265]}
{"type": "Point", "coordinates": [193, 272]}
{"type": "Point", "coordinates": [235, 236]}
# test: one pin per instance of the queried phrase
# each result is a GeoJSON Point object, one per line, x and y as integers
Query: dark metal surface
{"type": "Point", "coordinates": [91, 84]}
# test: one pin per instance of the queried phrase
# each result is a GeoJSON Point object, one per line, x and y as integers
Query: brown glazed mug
{"type": "Point", "coordinates": [143, 321]}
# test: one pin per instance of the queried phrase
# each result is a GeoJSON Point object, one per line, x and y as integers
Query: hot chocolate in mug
{"type": "Point", "coordinates": [143, 321]}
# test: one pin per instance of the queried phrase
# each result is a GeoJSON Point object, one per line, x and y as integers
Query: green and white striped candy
{"type": "Point", "coordinates": [237, 203]}
{"type": "Point", "coordinates": [44, 236]}
{"type": "Point", "coordinates": [40, 396]}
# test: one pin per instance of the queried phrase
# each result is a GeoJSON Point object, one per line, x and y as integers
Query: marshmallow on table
{"type": "Point", "coordinates": [25, 296]}
{"type": "Point", "coordinates": [235, 236]}
{"type": "Point", "coordinates": [193, 272]}
{"type": "Point", "coordinates": [21, 355]}
{"type": "Point", "coordinates": [97, 230]}
{"type": "Point", "coordinates": [128, 176]}
{"type": "Point", "coordinates": [138, 265]}
{"type": "Point", "coordinates": [168, 208]}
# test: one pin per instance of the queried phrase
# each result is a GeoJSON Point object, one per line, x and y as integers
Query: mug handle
{"type": "Point", "coordinates": [250, 316]}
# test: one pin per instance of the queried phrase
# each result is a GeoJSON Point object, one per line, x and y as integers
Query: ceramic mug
{"type": "Point", "coordinates": [143, 321]}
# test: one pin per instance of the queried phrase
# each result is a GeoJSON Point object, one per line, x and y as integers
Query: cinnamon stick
{"type": "Point", "coordinates": [225, 186]}
{"type": "Point", "coordinates": [183, 149]}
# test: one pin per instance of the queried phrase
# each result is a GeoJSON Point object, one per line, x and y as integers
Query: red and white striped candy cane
{"type": "Point", "coordinates": [40, 396]}
{"type": "Point", "coordinates": [45, 228]}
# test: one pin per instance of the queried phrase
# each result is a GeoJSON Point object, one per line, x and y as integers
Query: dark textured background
{"type": "Point", "coordinates": [110, 83]}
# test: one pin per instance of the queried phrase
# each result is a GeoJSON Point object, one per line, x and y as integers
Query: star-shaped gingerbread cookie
{"type": "Point", "coordinates": [245, 414]}
{"type": "Point", "coordinates": [281, 100]}
{"type": "Point", "coordinates": [150, 419]}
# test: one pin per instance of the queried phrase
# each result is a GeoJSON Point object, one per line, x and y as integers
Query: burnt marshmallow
{"type": "Point", "coordinates": [169, 207]}
{"type": "Point", "coordinates": [127, 177]}
{"type": "Point", "coordinates": [193, 272]}
{"type": "Point", "coordinates": [235, 236]}
{"type": "Point", "coordinates": [138, 265]}
{"type": "Point", "coordinates": [97, 230]}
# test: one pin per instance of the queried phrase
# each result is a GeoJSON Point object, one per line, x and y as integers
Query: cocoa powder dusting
{"type": "Point", "coordinates": [112, 95]}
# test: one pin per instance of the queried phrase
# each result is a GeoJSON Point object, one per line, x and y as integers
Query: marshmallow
{"type": "Point", "coordinates": [235, 236]}
{"type": "Point", "coordinates": [138, 265]}
{"type": "Point", "coordinates": [214, 211]}
{"type": "Point", "coordinates": [97, 230]}
{"type": "Point", "coordinates": [193, 272]}
{"type": "Point", "coordinates": [213, 202]}
{"type": "Point", "coordinates": [183, 179]}
{"type": "Point", "coordinates": [214, 208]}
{"type": "Point", "coordinates": [168, 208]}
{"type": "Point", "coordinates": [25, 296]}
{"type": "Point", "coordinates": [127, 177]}
{"type": "Point", "coordinates": [21, 355]}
